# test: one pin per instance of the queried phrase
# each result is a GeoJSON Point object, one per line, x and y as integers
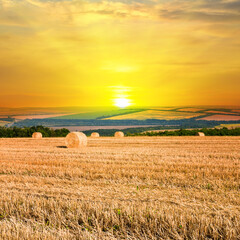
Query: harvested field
{"type": "Point", "coordinates": [190, 109]}
{"type": "Point", "coordinates": [219, 117]}
{"type": "Point", "coordinates": [120, 188]}
{"type": "Point", "coordinates": [155, 114]}
{"type": "Point", "coordinates": [230, 126]}
{"type": "Point", "coordinates": [220, 112]}
{"type": "Point", "coordinates": [40, 116]}
{"type": "Point", "coordinates": [3, 123]}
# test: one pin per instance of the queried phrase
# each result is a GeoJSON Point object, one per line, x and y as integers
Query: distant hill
{"type": "Point", "coordinates": [181, 116]}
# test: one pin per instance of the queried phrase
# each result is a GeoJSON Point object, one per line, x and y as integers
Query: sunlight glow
{"type": "Point", "coordinates": [122, 102]}
{"type": "Point", "coordinates": [121, 96]}
{"type": "Point", "coordinates": [120, 68]}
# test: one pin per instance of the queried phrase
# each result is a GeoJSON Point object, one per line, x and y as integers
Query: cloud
{"type": "Point", "coordinates": [221, 5]}
{"type": "Point", "coordinates": [202, 11]}
{"type": "Point", "coordinates": [77, 12]}
{"type": "Point", "coordinates": [199, 16]}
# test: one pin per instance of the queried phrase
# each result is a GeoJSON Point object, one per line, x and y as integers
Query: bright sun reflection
{"type": "Point", "coordinates": [121, 96]}
{"type": "Point", "coordinates": [122, 102]}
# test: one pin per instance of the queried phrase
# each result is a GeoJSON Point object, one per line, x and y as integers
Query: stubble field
{"type": "Point", "coordinates": [129, 188]}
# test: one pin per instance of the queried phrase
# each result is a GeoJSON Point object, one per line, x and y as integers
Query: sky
{"type": "Point", "coordinates": [102, 53]}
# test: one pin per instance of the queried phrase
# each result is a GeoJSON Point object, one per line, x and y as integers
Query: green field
{"type": "Point", "coordinates": [99, 114]}
{"type": "Point", "coordinates": [3, 123]}
{"type": "Point", "coordinates": [237, 125]}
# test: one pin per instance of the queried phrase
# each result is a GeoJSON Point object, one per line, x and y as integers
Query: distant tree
{"type": "Point", "coordinates": [28, 131]}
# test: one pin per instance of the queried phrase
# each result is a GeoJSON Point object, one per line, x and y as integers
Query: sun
{"type": "Point", "coordinates": [122, 102]}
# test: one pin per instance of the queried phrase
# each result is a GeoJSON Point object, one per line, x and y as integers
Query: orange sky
{"type": "Point", "coordinates": [93, 53]}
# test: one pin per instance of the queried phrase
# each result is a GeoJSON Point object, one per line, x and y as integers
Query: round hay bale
{"type": "Point", "coordinates": [200, 134]}
{"type": "Point", "coordinates": [95, 135]}
{"type": "Point", "coordinates": [37, 135]}
{"type": "Point", "coordinates": [76, 140]}
{"type": "Point", "coordinates": [119, 134]}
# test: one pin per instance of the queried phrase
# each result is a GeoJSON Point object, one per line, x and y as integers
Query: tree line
{"type": "Point", "coordinates": [185, 132]}
{"type": "Point", "coordinates": [49, 132]}
{"type": "Point", "coordinates": [28, 131]}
